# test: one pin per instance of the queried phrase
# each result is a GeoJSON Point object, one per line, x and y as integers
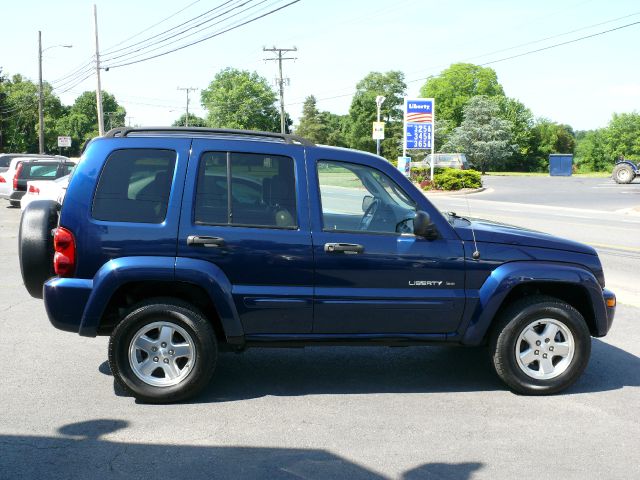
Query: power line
{"type": "Point", "coordinates": [174, 28]}
{"type": "Point", "coordinates": [148, 48]}
{"type": "Point", "coordinates": [506, 58]}
{"type": "Point", "coordinates": [204, 38]}
{"type": "Point", "coordinates": [108, 49]}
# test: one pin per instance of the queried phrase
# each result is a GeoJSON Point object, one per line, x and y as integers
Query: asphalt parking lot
{"type": "Point", "coordinates": [370, 413]}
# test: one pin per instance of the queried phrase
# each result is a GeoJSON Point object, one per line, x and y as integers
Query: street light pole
{"type": "Point", "coordinates": [40, 92]}
{"type": "Point", "coordinates": [40, 99]}
{"type": "Point", "coordinates": [379, 100]}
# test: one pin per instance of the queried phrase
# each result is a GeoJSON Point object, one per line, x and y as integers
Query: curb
{"type": "Point", "coordinates": [464, 191]}
{"type": "Point", "coordinates": [633, 211]}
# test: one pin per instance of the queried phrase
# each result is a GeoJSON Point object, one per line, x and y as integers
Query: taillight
{"type": "Point", "coordinates": [15, 177]}
{"type": "Point", "coordinates": [34, 190]}
{"type": "Point", "coordinates": [64, 260]}
{"type": "Point", "coordinates": [2, 179]}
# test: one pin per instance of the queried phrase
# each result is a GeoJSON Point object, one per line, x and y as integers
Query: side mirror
{"type": "Point", "coordinates": [367, 201]}
{"type": "Point", "coordinates": [423, 226]}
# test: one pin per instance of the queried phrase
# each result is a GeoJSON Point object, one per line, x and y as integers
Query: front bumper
{"type": "Point", "coordinates": [610, 307]}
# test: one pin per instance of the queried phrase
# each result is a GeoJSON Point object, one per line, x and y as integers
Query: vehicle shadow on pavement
{"type": "Point", "coordinates": [80, 452]}
{"type": "Point", "coordinates": [349, 370]}
{"type": "Point", "coordinates": [359, 370]}
{"type": "Point", "coordinates": [610, 368]}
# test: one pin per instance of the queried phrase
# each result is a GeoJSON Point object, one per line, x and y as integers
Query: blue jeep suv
{"type": "Point", "coordinates": [182, 242]}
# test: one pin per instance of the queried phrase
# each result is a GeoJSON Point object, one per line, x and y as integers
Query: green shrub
{"type": "Point", "coordinates": [420, 174]}
{"type": "Point", "coordinates": [454, 179]}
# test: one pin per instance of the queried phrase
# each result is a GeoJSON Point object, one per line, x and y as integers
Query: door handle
{"type": "Point", "coordinates": [348, 248]}
{"type": "Point", "coordinates": [200, 241]}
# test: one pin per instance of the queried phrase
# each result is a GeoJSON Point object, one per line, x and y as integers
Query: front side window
{"type": "Point", "coordinates": [134, 186]}
{"type": "Point", "coordinates": [246, 189]}
{"type": "Point", "coordinates": [358, 198]}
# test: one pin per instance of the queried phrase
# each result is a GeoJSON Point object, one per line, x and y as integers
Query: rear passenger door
{"type": "Point", "coordinates": [244, 211]}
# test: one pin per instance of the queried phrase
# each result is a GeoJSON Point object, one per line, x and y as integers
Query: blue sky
{"type": "Point", "coordinates": [339, 42]}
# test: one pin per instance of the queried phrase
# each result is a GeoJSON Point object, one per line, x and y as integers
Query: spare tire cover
{"type": "Point", "coordinates": [35, 244]}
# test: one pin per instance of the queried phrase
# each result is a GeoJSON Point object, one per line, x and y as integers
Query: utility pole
{"type": "Point", "coordinates": [110, 116]}
{"type": "Point", "coordinates": [187, 90]}
{"type": "Point", "coordinates": [99, 87]}
{"type": "Point", "coordinates": [379, 100]}
{"type": "Point", "coordinates": [40, 100]}
{"type": "Point", "coordinates": [41, 93]}
{"type": "Point", "coordinates": [280, 80]}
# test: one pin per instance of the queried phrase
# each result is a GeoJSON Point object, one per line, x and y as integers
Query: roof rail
{"type": "Point", "coordinates": [287, 138]}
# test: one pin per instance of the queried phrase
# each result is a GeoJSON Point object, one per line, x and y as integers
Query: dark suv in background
{"type": "Point", "coordinates": [34, 169]}
{"type": "Point", "coordinates": [180, 242]}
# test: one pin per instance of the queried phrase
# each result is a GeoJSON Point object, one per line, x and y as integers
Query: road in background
{"type": "Point", "coordinates": [595, 211]}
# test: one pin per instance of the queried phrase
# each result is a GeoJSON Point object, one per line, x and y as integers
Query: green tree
{"type": "Point", "coordinates": [593, 153]}
{"type": "Point", "coordinates": [337, 127]}
{"type": "Point", "coordinates": [322, 127]}
{"type": "Point", "coordinates": [521, 121]}
{"type": "Point", "coordinates": [456, 85]}
{"type": "Point", "coordinates": [623, 135]}
{"type": "Point", "coordinates": [241, 99]}
{"type": "Point", "coordinates": [194, 121]}
{"type": "Point", "coordinates": [81, 121]}
{"type": "Point", "coordinates": [311, 126]}
{"type": "Point", "coordinates": [483, 136]}
{"type": "Point", "coordinates": [362, 113]}
{"type": "Point", "coordinates": [20, 115]}
{"type": "Point", "coordinates": [550, 137]}
{"type": "Point", "coordinates": [597, 150]}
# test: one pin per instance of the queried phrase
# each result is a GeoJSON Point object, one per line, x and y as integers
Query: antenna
{"type": "Point", "coordinates": [476, 254]}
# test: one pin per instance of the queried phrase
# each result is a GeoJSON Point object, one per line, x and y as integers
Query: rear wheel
{"type": "Point", "coordinates": [623, 173]}
{"type": "Point", "coordinates": [540, 346]}
{"type": "Point", "coordinates": [163, 351]}
{"type": "Point", "coordinates": [14, 203]}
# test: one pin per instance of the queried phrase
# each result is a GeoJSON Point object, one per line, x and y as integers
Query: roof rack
{"type": "Point", "coordinates": [287, 138]}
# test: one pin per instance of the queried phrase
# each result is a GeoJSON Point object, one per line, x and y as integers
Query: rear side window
{"type": "Point", "coordinates": [246, 189]}
{"type": "Point", "coordinates": [134, 186]}
{"type": "Point", "coordinates": [42, 171]}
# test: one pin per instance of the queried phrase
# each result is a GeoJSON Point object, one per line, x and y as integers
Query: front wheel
{"type": "Point", "coordinates": [540, 346]}
{"type": "Point", "coordinates": [163, 351]}
{"type": "Point", "coordinates": [623, 173]}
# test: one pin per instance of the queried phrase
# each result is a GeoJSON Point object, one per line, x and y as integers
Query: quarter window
{"type": "Point", "coordinates": [134, 186]}
{"type": "Point", "coordinates": [246, 189]}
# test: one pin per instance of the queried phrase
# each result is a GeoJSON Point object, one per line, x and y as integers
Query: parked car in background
{"type": "Point", "coordinates": [5, 158]}
{"type": "Point", "coordinates": [447, 160]}
{"type": "Point", "coordinates": [13, 182]}
{"type": "Point", "coordinates": [45, 190]}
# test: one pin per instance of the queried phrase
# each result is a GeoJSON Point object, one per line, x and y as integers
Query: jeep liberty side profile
{"type": "Point", "coordinates": [179, 243]}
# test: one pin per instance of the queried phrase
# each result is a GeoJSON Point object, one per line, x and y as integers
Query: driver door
{"type": "Point", "coordinates": [372, 275]}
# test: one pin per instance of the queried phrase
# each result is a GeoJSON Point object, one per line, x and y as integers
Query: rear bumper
{"type": "Point", "coordinates": [65, 300]}
{"type": "Point", "coordinates": [16, 195]}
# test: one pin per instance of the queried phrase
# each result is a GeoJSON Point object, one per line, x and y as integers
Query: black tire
{"type": "Point", "coordinates": [623, 173]}
{"type": "Point", "coordinates": [514, 321]}
{"type": "Point", "coordinates": [172, 312]}
{"type": "Point", "coordinates": [35, 244]}
{"type": "Point", "coordinates": [14, 203]}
